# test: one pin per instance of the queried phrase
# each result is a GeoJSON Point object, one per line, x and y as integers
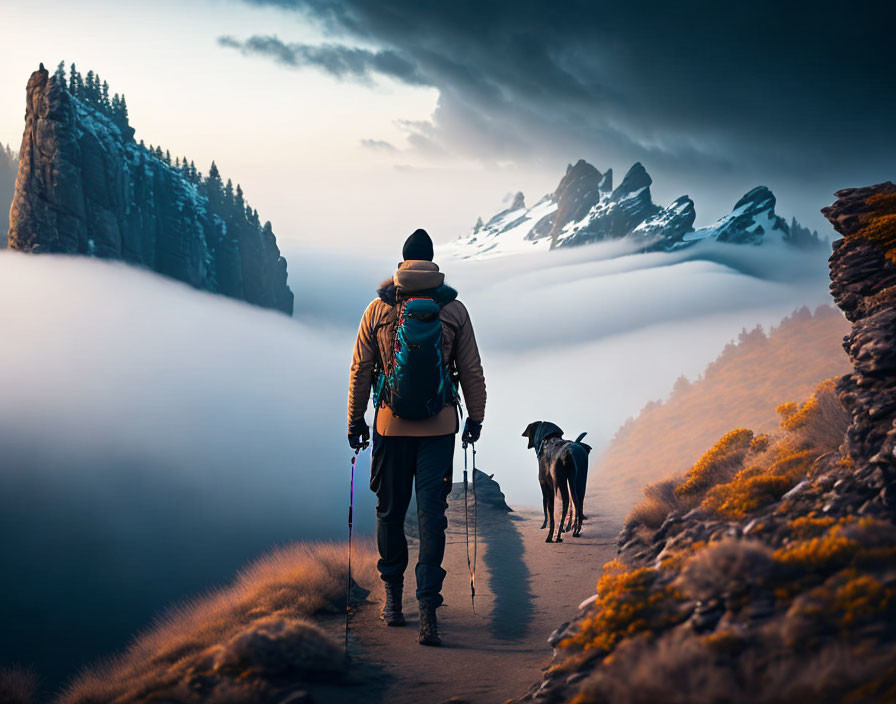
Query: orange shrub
{"type": "Point", "coordinates": [849, 541]}
{"type": "Point", "coordinates": [880, 226]}
{"type": "Point", "coordinates": [628, 603]}
{"type": "Point", "coordinates": [717, 464]}
{"type": "Point", "coordinates": [757, 486]}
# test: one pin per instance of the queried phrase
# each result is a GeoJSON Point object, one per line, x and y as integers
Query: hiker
{"type": "Point", "coordinates": [415, 342]}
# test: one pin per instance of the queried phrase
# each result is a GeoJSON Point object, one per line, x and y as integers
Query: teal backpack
{"type": "Point", "coordinates": [416, 385]}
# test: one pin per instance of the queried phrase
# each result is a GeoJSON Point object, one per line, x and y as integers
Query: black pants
{"type": "Point", "coordinates": [397, 463]}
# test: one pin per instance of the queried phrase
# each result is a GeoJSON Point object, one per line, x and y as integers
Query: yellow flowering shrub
{"type": "Point", "coordinates": [757, 486]}
{"type": "Point", "coordinates": [712, 467]}
{"type": "Point", "coordinates": [628, 602]}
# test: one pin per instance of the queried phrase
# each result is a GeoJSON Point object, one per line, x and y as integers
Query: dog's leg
{"type": "Point", "coordinates": [577, 502]}
{"type": "Point", "coordinates": [572, 493]}
{"type": "Point", "coordinates": [582, 471]}
{"type": "Point", "coordinates": [564, 495]}
{"type": "Point", "coordinates": [549, 500]}
{"type": "Point", "coordinates": [544, 504]}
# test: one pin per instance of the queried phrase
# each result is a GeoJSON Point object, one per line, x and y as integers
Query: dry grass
{"type": "Point", "coordinates": [726, 566]}
{"type": "Point", "coordinates": [231, 638]}
{"type": "Point", "coordinates": [17, 686]}
{"type": "Point", "coordinates": [721, 668]}
{"type": "Point", "coordinates": [821, 421]}
{"type": "Point", "coordinates": [659, 501]}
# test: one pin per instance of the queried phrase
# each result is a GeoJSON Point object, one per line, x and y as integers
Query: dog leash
{"type": "Point", "coordinates": [471, 564]}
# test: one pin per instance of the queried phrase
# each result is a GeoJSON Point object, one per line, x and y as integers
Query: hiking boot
{"type": "Point", "coordinates": [391, 613]}
{"type": "Point", "coordinates": [429, 625]}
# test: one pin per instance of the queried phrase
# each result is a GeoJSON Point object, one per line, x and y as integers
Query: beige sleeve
{"type": "Point", "coordinates": [469, 368]}
{"type": "Point", "coordinates": [361, 374]}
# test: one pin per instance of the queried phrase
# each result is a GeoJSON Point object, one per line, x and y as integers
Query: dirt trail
{"type": "Point", "coordinates": [525, 588]}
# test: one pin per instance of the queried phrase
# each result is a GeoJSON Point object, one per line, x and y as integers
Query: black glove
{"type": "Point", "coordinates": [358, 435]}
{"type": "Point", "coordinates": [472, 430]}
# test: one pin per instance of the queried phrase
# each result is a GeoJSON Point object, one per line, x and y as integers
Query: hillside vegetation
{"type": "Point", "coordinates": [767, 571]}
{"type": "Point", "coordinates": [269, 636]}
{"type": "Point", "coordinates": [741, 388]}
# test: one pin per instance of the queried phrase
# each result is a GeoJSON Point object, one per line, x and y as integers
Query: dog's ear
{"type": "Point", "coordinates": [530, 431]}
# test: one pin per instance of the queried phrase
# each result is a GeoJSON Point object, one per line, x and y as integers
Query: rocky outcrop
{"type": "Point", "coordinates": [585, 208]}
{"type": "Point", "coordinates": [85, 187]}
{"type": "Point", "coordinates": [863, 283]}
{"type": "Point", "coordinates": [612, 216]}
{"type": "Point", "coordinates": [669, 227]}
{"type": "Point", "coordinates": [767, 572]}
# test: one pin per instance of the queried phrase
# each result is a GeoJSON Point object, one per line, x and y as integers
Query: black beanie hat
{"type": "Point", "coordinates": [418, 246]}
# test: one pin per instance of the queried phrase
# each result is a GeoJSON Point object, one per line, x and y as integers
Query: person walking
{"type": "Point", "coordinates": [415, 345]}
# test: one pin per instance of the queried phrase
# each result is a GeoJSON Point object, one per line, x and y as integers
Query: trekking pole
{"type": "Point", "coordinates": [471, 566]}
{"type": "Point", "coordinates": [475, 525]}
{"type": "Point", "coordinates": [348, 584]}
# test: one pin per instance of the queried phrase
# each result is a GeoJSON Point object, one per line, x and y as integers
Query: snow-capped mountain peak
{"type": "Point", "coordinates": [585, 208]}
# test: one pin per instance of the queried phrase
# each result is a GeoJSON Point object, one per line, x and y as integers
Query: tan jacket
{"type": "Point", "coordinates": [374, 344]}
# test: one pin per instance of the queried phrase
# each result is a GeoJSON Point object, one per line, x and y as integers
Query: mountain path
{"type": "Point", "coordinates": [525, 588]}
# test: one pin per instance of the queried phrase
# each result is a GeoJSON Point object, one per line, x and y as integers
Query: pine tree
{"type": "Point", "coordinates": [168, 157]}
{"type": "Point", "coordinates": [214, 189]}
{"type": "Point", "coordinates": [228, 193]}
{"type": "Point", "coordinates": [60, 74]}
{"type": "Point", "coordinates": [75, 83]}
{"type": "Point", "coordinates": [104, 95]}
{"type": "Point", "coordinates": [238, 200]}
{"type": "Point", "coordinates": [214, 175]}
{"type": "Point", "coordinates": [89, 86]}
{"type": "Point", "coordinates": [123, 110]}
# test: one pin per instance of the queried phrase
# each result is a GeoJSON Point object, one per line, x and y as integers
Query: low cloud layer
{"type": "Point", "coordinates": [155, 437]}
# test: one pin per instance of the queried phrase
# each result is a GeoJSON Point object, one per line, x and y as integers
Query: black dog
{"type": "Point", "coordinates": [563, 467]}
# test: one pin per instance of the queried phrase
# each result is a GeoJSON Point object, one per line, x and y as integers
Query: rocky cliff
{"type": "Point", "coordinates": [767, 572]}
{"type": "Point", "coordinates": [85, 187]}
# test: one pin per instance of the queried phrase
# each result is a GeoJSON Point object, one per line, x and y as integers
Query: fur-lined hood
{"type": "Point", "coordinates": [417, 276]}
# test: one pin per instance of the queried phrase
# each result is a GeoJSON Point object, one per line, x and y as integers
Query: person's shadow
{"type": "Point", "coordinates": [509, 581]}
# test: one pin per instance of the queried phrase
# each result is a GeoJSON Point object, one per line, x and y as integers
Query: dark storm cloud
{"type": "Point", "coordinates": [804, 91]}
{"type": "Point", "coordinates": [340, 61]}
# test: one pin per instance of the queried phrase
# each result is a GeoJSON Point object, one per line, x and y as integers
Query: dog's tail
{"type": "Point", "coordinates": [578, 441]}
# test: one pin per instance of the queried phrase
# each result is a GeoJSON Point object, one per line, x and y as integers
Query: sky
{"type": "Point", "coordinates": [351, 123]}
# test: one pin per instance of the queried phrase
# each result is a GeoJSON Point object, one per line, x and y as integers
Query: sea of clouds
{"type": "Point", "coordinates": [154, 438]}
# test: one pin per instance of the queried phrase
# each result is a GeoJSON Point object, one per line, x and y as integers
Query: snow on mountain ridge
{"type": "Point", "coordinates": [585, 208]}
